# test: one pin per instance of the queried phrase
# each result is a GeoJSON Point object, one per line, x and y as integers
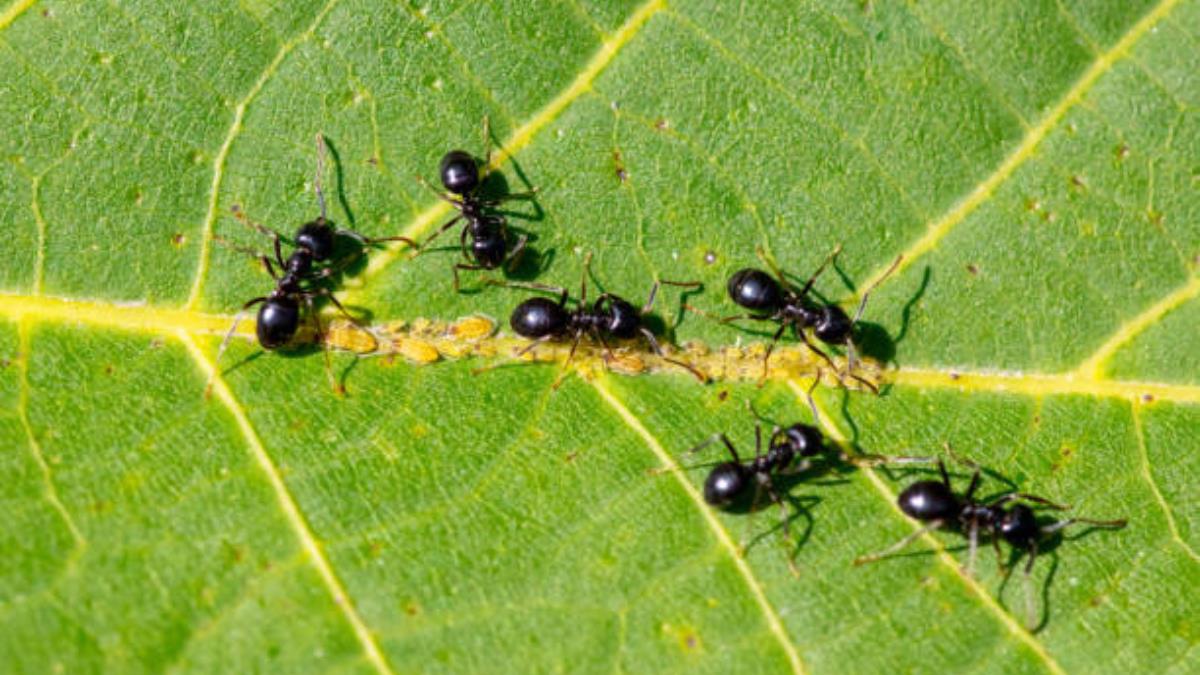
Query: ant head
{"type": "Point", "coordinates": [754, 289]}
{"type": "Point", "coordinates": [833, 326]}
{"type": "Point", "coordinates": [802, 439]}
{"type": "Point", "coordinates": [1018, 525]}
{"type": "Point", "coordinates": [459, 172]}
{"type": "Point", "coordinates": [724, 483]}
{"type": "Point", "coordinates": [929, 500]}
{"type": "Point", "coordinates": [623, 319]}
{"type": "Point", "coordinates": [316, 237]}
{"type": "Point", "coordinates": [538, 318]}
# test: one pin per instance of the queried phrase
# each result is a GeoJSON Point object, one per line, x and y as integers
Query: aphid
{"type": "Point", "coordinates": [776, 301]}
{"type": "Point", "coordinates": [609, 317]}
{"type": "Point", "coordinates": [298, 277]}
{"type": "Point", "coordinates": [1005, 517]}
{"type": "Point", "coordinates": [490, 246]}
{"type": "Point", "coordinates": [790, 450]}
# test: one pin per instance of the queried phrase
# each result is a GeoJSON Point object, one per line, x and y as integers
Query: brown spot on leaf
{"type": "Point", "coordinates": [1122, 152]}
{"type": "Point", "coordinates": [662, 124]}
{"type": "Point", "coordinates": [178, 239]}
{"type": "Point", "coordinates": [619, 167]}
{"type": "Point", "coordinates": [973, 268]}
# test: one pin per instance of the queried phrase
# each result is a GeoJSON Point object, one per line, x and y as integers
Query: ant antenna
{"type": "Point", "coordinates": [863, 303]}
{"type": "Point", "coordinates": [320, 171]}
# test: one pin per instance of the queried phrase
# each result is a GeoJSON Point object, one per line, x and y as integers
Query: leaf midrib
{"type": "Point", "coordinates": [166, 321]}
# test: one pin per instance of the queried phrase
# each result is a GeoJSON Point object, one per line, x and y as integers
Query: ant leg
{"type": "Point", "coordinates": [320, 171]}
{"type": "Point", "coordinates": [365, 241]}
{"type": "Point", "coordinates": [532, 286]}
{"type": "Point", "coordinates": [654, 346]}
{"type": "Point", "coordinates": [320, 335]}
{"type": "Point", "coordinates": [654, 291]}
{"type": "Point", "coordinates": [972, 548]}
{"type": "Point", "coordinates": [513, 259]}
{"type": "Point", "coordinates": [487, 142]}
{"type": "Point", "coordinates": [587, 265]}
{"type": "Point", "coordinates": [449, 224]}
{"type": "Point", "coordinates": [566, 364]}
{"type": "Point", "coordinates": [828, 260]}
{"type": "Point", "coordinates": [999, 556]}
{"type": "Point", "coordinates": [862, 304]}
{"type": "Point", "coordinates": [942, 470]}
{"type": "Point", "coordinates": [1030, 615]}
{"type": "Point", "coordinates": [742, 545]}
{"type": "Point", "coordinates": [770, 262]}
{"type": "Point", "coordinates": [608, 352]}
{"type": "Point", "coordinates": [771, 348]}
{"type": "Point", "coordinates": [261, 257]}
{"type": "Point", "coordinates": [872, 557]}
{"type": "Point", "coordinates": [1042, 501]}
{"type": "Point", "coordinates": [462, 243]}
{"type": "Point", "coordinates": [1055, 527]}
{"type": "Point", "coordinates": [786, 526]}
{"type": "Point", "coordinates": [974, 484]}
{"type": "Point", "coordinates": [799, 332]}
{"type": "Point", "coordinates": [529, 347]}
{"type": "Point", "coordinates": [325, 293]}
{"type": "Point", "coordinates": [462, 266]}
{"type": "Point", "coordinates": [444, 196]}
{"type": "Point", "coordinates": [237, 318]}
{"type": "Point", "coordinates": [495, 201]}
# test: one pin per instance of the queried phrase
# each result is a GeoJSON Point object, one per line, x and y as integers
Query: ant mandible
{"type": "Point", "coordinates": [610, 316]}
{"type": "Point", "coordinates": [1005, 517]}
{"type": "Point", "coordinates": [297, 276]}
{"type": "Point", "coordinates": [757, 291]}
{"type": "Point", "coordinates": [729, 481]}
{"type": "Point", "coordinates": [488, 230]}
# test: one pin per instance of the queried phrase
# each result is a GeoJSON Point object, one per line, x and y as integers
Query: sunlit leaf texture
{"type": "Point", "coordinates": [1035, 162]}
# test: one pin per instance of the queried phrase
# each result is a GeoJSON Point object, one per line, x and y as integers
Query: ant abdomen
{"type": "Point", "coordinates": [724, 483]}
{"type": "Point", "coordinates": [754, 289]}
{"type": "Point", "coordinates": [929, 500]}
{"type": "Point", "coordinates": [278, 321]}
{"type": "Point", "coordinates": [538, 318]}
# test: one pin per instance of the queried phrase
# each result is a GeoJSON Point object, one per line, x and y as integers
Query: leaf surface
{"type": "Point", "coordinates": [1033, 162]}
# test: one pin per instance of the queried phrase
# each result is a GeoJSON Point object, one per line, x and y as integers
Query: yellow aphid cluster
{"type": "Point", "coordinates": [423, 341]}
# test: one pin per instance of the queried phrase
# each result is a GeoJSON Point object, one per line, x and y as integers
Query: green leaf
{"type": "Point", "coordinates": [1034, 162]}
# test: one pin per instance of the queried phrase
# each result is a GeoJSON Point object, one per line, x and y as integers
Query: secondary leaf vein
{"type": "Point", "coordinates": [288, 506]}
{"type": "Point", "coordinates": [772, 617]}
{"type": "Point", "coordinates": [938, 229]}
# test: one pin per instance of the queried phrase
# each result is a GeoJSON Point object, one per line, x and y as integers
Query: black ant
{"type": "Point", "coordinates": [756, 290]}
{"type": "Point", "coordinates": [1005, 517]}
{"type": "Point", "coordinates": [727, 482]}
{"type": "Point", "coordinates": [610, 316]}
{"type": "Point", "coordinates": [298, 276]}
{"type": "Point", "coordinates": [488, 230]}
